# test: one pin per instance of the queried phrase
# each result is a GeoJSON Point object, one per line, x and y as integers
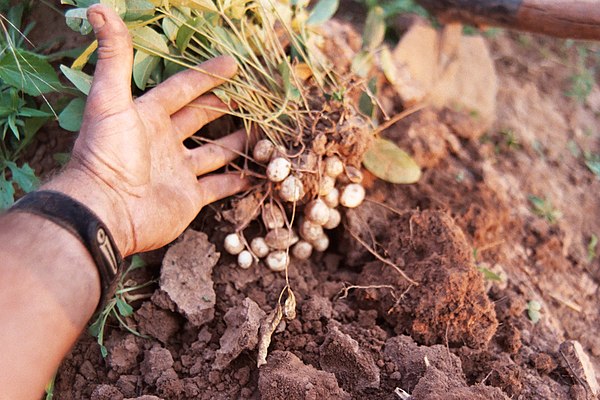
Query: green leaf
{"type": "Point", "coordinates": [186, 32]}
{"type": "Point", "coordinates": [61, 158]}
{"type": "Point", "coordinates": [374, 29]}
{"type": "Point", "coordinates": [593, 163]}
{"type": "Point", "coordinates": [591, 248]}
{"type": "Point", "coordinates": [362, 63]}
{"type": "Point", "coordinates": [136, 263]}
{"type": "Point", "coordinates": [120, 6]}
{"type": "Point", "coordinates": [489, 275]}
{"type": "Point", "coordinates": [71, 116]}
{"type": "Point", "coordinates": [23, 176]}
{"type": "Point", "coordinates": [291, 91]}
{"type": "Point", "coordinates": [28, 72]}
{"type": "Point", "coordinates": [124, 309]}
{"type": "Point", "coordinates": [366, 102]}
{"type": "Point", "coordinates": [7, 192]}
{"type": "Point", "coordinates": [79, 79]}
{"type": "Point", "coordinates": [33, 113]}
{"type": "Point", "coordinates": [387, 161]}
{"type": "Point", "coordinates": [76, 19]}
{"type": "Point", "coordinates": [138, 10]}
{"type": "Point", "coordinates": [143, 66]}
{"type": "Point", "coordinates": [150, 41]}
{"type": "Point", "coordinates": [171, 69]}
{"type": "Point", "coordinates": [96, 327]}
{"type": "Point", "coordinates": [387, 65]}
{"type": "Point", "coordinates": [103, 351]}
{"type": "Point", "coordinates": [322, 12]}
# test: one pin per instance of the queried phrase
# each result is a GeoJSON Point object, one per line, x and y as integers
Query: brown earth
{"type": "Point", "coordinates": [452, 335]}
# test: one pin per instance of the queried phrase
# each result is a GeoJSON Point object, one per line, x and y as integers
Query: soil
{"type": "Point", "coordinates": [364, 331]}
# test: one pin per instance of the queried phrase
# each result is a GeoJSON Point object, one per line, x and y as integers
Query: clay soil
{"type": "Point", "coordinates": [453, 335]}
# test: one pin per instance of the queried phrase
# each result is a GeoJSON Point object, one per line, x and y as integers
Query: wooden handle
{"type": "Point", "coordinates": [576, 19]}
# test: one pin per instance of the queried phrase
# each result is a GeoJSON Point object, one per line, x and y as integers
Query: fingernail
{"type": "Point", "coordinates": [96, 19]}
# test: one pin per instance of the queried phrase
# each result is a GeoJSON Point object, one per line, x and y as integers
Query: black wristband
{"type": "Point", "coordinates": [84, 225]}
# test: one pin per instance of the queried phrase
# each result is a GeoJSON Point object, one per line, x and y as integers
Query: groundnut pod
{"type": "Point", "coordinates": [281, 238]}
{"type": "Point", "coordinates": [272, 216]}
{"type": "Point", "coordinates": [310, 231]}
{"type": "Point", "coordinates": [278, 169]}
{"type": "Point", "coordinates": [263, 149]}
{"type": "Point", "coordinates": [333, 166]}
{"type": "Point", "coordinates": [334, 219]}
{"type": "Point", "coordinates": [352, 195]}
{"type": "Point", "coordinates": [291, 189]}
{"type": "Point", "coordinates": [233, 244]}
{"type": "Point", "coordinates": [317, 212]}
{"type": "Point", "coordinates": [322, 243]}
{"type": "Point", "coordinates": [259, 247]}
{"type": "Point", "coordinates": [277, 260]}
{"type": "Point", "coordinates": [332, 199]}
{"type": "Point", "coordinates": [354, 174]}
{"type": "Point", "coordinates": [245, 259]}
{"type": "Point", "coordinates": [326, 185]}
{"type": "Point", "coordinates": [302, 250]}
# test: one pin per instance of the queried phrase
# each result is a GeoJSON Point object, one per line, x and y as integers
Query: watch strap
{"type": "Point", "coordinates": [85, 226]}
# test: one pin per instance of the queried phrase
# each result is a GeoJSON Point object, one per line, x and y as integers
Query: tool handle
{"type": "Point", "coordinates": [575, 19]}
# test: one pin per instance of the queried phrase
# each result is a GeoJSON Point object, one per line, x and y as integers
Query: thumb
{"type": "Point", "coordinates": [111, 86]}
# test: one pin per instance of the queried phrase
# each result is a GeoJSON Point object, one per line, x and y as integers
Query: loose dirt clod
{"type": "Point", "coordinates": [158, 323]}
{"type": "Point", "coordinates": [353, 367]}
{"type": "Point", "coordinates": [157, 360]}
{"type": "Point", "coordinates": [186, 276]}
{"type": "Point", "coordinates": [123, 351]}
{"type": "Point", "coordinates": [450, 305]}
{"type": "Point", "coordinates": [241, 334]}
{"type": "Point", "coordinates": [285, 377]}
{"type": "Point", "coordinates": [577, 363]}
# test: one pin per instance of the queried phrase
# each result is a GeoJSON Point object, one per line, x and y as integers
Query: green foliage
{"type": "Point", "coordinates": [118, 307]}
{"type": "Point", "coordinates": [50, 389]}
{"type": "Point", "coordinates": [489, 275]}
{"type": "Point", "coordinates": [79, 79]}
{"type": "Point", "coordinates": [533, 311]}
{"type": "Point", "coordinates": [71, 116]}
{"type": "Point", "coordinates": [592, 161]}
{"type": "Point", "coordinates": [387, 161]}
{"type": "Point", "coordinates": [392, 8]}
{"type": "Point", "coordinates": [26, 77]}
{"type": "Point", "coordinates": [591, 248]}
{"type": "Point", "coordinates": [582, 81]}
{"type": "Point", "coordinates": [323, 11]}
{"type": "Point", "coordinates": [28, 72]}
{"type": "Point", "coordinates": [543, 208]}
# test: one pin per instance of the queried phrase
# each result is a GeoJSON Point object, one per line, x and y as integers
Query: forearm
{"type": "Point", "coordinates": [49, 289]}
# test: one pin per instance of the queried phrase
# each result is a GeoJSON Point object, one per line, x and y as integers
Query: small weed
{"type": "Point", "coordinates": [592, 161]}
{"type": "Point", "coordinates": [511, 141]}
{"type": "Point", "coordinates": [591, 248]}
{"type": "Point", "coordinates": [582, 81]}
{"type": "Point", "coordinates": [392, 8]}
{"type": "Point", "coordinates": [119, 306]}
{"type": "Point", "coordinates": [573, 148]}
{"type": "Point", "coordinates": [460, 176]}
{"type": "Point", "coordinates": [489, 275]}
{"type": "Point", "coordinates": [50, 389]}
{"type": "Point", "coordinates": [26, 77]}
{"type": "Point", "coordinates": [533, 311]}
{"type": "Point", "coordinates": [543, 208]}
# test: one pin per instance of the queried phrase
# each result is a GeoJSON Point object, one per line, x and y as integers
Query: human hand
{"type": "Point", "coordinates": [129, 164]}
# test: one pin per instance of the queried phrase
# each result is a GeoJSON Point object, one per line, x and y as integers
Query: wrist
{"type": "Point", "coordinates": [103, 200]}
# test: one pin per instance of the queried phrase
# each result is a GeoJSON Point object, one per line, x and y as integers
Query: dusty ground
{"type": "Point", "coordinates": [452, 336]}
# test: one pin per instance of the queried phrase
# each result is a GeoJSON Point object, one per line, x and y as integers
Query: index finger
{"type": "Point", "coordinates": [182, 88]}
